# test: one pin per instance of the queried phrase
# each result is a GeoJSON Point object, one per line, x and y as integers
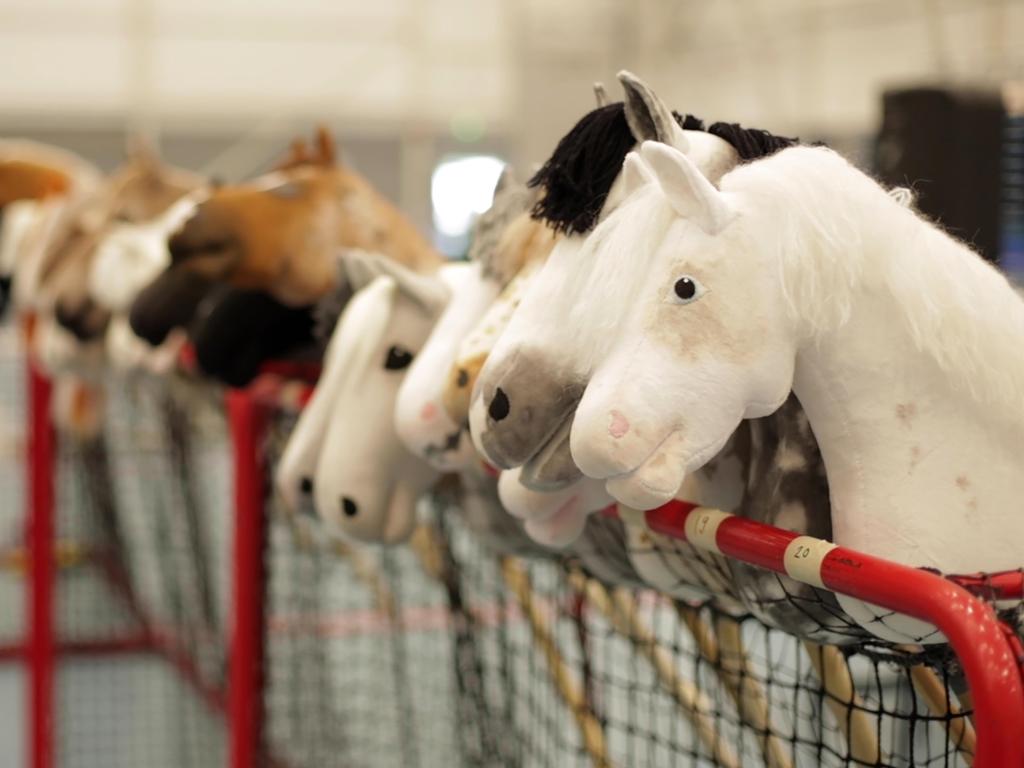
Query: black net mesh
{"type": "Point", "coordinates": [442, 652]}
{"type": "Point", "coordinates": [141, 516]}
{"type": "Point", "coordinates": [358, 653]}
{"type": "Point", "coordinates": [533, 662]}
{"type": "Point", "coordinates": [12, 483]}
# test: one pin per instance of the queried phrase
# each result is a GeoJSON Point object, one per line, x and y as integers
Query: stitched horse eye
{"type": "Point", "coordinates": [687, 289]}
{"type": "Point", "coordinates": [397, 359]}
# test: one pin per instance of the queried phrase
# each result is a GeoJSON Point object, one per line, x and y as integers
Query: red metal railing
{"type": "Point", "coordinates": [990, 653]}
{"type": "Point", "coordinates": [247, 418]}
{"type": "Point", "coordinates": [242, 703]}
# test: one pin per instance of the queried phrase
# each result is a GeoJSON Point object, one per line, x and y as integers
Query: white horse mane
{"type": "Point", "coordinates": [958, 309]}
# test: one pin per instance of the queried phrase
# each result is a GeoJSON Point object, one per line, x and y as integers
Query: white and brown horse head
{"type": "Point", "coordinates": [138, 192]}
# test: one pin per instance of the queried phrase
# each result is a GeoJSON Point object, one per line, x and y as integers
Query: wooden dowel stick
{"type": "Point", "coordinates": [747, 692]}
{"type": "Point", "coordinates": [841, 697]}
{"type": "Point", "coordinates": [936, 698]}
{"type": "Point", "coordinates": [621, 611]}
{"type": "Point", "coordinates": [518, 581]}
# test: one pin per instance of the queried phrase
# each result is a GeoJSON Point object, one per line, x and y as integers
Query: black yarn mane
{"type": "Point", "coordinates": [750, 143]}
{"type": "Point", "coordinates": [580, 172]}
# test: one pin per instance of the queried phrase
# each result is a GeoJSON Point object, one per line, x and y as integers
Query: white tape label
{"type": "Point", "coordinates": [702, 527]}
{"type": "Point", "coordinates": [803, 558]}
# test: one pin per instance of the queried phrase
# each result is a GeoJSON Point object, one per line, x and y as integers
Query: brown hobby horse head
{"type": "Point", "coordinates": [138, 191]}
{"type": "Point", "coordinates": [280, 234]}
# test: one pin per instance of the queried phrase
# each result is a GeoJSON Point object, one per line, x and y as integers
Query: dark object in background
{"type": "Point", "coordinates": [169, 302]}
{"type": "Point", "coordinates": [946, 143]}
{"type": "Point", "coordinates": [5, 294]}
{"type": "Point", "coordinates": [1013, 187]}
{"type": "Point", "coordinates": [234, 332]}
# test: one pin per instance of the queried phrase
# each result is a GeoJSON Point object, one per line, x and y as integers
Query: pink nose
{"type": "Point", "coordinates": [428, 412]}
{"type": "Point", "coordinates": [619, 425]}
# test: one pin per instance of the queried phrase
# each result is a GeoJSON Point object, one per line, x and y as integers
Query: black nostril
{"type": "Point", "coordinates": [349, 506]}
{"type": "Point", "coordinates": [306, 485]}
{"type": "Point", "coordinates": [499, 405]}
{"type": "Point", "coordinates": [463, 377]}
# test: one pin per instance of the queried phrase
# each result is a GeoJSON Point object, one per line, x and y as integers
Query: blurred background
{"type": "Point", "coordinates": [429, 98]}
{"type": "Point", "coordinates": [410, 85]}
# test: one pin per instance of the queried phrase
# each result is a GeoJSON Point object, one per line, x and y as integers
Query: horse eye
{"type": "Point", "coordinates": [687, 289]}
{"type": "Point", "coordinates": [398, 358]}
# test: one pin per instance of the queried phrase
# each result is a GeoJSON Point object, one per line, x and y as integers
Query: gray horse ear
{"type": "Point", "coordinates": [360, 268]}
{"type": "Point", "coordinates": [429, 292]}
{"type": "Point", "coordinates": [648, 117]}
{"type": "Point", "coordinates": [600, 94]}
{"type": "Point", "coordinates": [506, 180]}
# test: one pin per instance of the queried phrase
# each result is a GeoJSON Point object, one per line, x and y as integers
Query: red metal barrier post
{"type": "Point", "coordinates": [41, 467]}
{"type": "Point", "coordinates": [248, 419]}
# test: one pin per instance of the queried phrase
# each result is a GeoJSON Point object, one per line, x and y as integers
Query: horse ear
{"type": "Point", "coordinates": [635, 174]}
{"type": "Point", "coordinates": [327, 154]}
{"type": "Point", "coordinates": [688, 191]}
{"type": "Point", "coordinates": [139, 149]}
{"type": "Point", "coordinates": [600, 95]}
{"type": "Point", "coordinates": [648, 117]}
{"type": "Point", "coordinates": [428, 291]}
{"type": "Point", "coordinates": [507, 180]}
{"type": "Point", "coordinates": [299, 152]}
{"type": "Point", "coordinates": [297, 155]}
{"type": "Point", "coordinates": [362, 268]}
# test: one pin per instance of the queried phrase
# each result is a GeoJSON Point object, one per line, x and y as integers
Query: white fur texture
{"type": "Point", "coordinates": [553, 519]}
{"type": "Point", "coordinates": [362, 459]}
{"type": "Point", "coordinates": [297, 465]}
{"type": "Point", "coordinates": [901, 344]}
{"type": "Point", "coordinates": [23, 253]}
{"type": "Point", "coordinates": [574, 305]}
{"type": "Point", "coordinates": [132, 255]}
{"type": "Point", "coordinates": [420, 417]}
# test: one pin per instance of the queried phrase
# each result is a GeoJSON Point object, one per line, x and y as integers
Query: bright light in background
{"type": "Point", "coordinates": [461, 189]}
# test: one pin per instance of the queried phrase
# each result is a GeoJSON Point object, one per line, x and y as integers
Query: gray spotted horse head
{"type": "Point", "coordinates": [525, 397]}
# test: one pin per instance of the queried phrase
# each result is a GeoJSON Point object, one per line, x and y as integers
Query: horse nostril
{"type": "Point", "coordinates": [306, 485]}
{"type": "Point", "coordinates": [499, 405]}
{"type": "Point", "coordinates": [462, 379]}
{"type": "Point", "coordinates": [348, 506]}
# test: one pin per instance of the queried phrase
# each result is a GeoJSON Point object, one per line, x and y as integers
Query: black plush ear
{"type": "Point", "coordinates": [648, 117]}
